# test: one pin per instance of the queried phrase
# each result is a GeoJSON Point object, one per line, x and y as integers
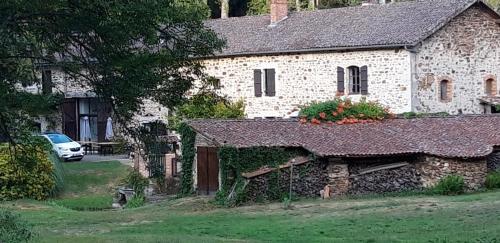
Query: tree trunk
{"type": "Point", "coordinates": [224, 9]}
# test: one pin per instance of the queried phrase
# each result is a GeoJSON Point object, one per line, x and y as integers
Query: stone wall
{"type": "Point", "coordinates": [338, 178]}
{"type": "Point", "coordinates": [465, 52]}
{"type": "Point", "coordinates": [308, 180]}
{"type": "Point", "coordinates": [304, 78]}
{"type": "Point", "coordinates": [432, 169]}
{"type": "Point", "coordinates": [493, 161]}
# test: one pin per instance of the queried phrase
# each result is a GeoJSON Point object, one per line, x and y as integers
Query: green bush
{"type": "Point", "coordinates": [25, 172]}
{"type": "Point", "coordinates": [13, 229]}
{"type": "Point", "coordinates": [450, 185]}
{"type": "Point", "coordinates": [343, 111]}
{"type": "Point", "coordinates": [136, 181]}
{"type": "Point", "coordinates": [135, 202]}
{"type": "Point", "coordinates": [493, 180]}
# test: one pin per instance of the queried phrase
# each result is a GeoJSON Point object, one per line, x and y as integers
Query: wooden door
{"type": "Point", "coordinates": [207, 170]}
{"type": "Point", "coordinates": [70, 118]}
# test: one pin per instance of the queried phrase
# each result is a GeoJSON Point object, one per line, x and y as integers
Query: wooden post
{"type": "Point", "coordinates": [291, 180]}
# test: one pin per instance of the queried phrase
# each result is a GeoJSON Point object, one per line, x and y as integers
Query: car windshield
{"type": "Point", "coordinates": [59, 138]}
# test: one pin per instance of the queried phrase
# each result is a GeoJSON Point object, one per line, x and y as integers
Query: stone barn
{"type": "Point", "coordinates": [389, 156]}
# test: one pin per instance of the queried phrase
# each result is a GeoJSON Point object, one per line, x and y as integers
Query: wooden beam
{"type": "Point", "coordinates": [380, 167]}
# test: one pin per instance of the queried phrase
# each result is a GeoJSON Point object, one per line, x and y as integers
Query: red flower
{"type": "Point", "coordinates": [322, 115]}
{"type": "Point", "coordinates": [303, 120]}
{"type": "Point", "coordinates": [335, 113]}
{"type": "Point", "coordinates": [315, 121]}
{"type": "Point", "coordinates": [340, 110]}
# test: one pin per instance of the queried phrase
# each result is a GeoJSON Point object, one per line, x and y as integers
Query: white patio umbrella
{"type": "Point", "coordinates": [85, 130]}
{"type": "Point", "coordinates": [109, 129]}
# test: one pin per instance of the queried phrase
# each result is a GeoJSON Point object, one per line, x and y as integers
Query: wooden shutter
{"type": "Point", "coordinates": [70, 118]}
{"type": "Point", "coordinates": [257, 82]}
{"type": "Point", "coordinates": [340, 80]}
{"type": "Point", "coordinates": [270, 82]}
{"type": "Point", "coordinates": [46, 82]}
{"type": "Point", "coordinates": [363, 72]}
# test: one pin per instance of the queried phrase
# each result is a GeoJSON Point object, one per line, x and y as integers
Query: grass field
{"type": "Point", "coordinates": [466, 218]}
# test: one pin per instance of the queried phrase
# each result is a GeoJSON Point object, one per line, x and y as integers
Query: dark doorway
{"type": "Point", "coordinates": [207, 170]}
{"type": "Point", "coordinates": [495, 109]}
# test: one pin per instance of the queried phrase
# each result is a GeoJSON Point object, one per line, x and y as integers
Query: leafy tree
{"type": "Point", "coordinates": [124, 51]}
{"type": "Point", "coordinates": [256, 7]}
{"type": "Point", "coordinates": [207, 104]}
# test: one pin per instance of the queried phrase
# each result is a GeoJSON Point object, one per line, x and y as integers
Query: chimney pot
{"type": "Point", "coordinates": [279, 10]}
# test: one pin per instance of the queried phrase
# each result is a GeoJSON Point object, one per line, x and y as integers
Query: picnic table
{"type": "Point", "coordinates": [103, 148]}
{"type": "Point", "coordinates": [106, 147]}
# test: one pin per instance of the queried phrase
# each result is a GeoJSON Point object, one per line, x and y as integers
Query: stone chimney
{"type": "Point", "coordinates": [279, 10]}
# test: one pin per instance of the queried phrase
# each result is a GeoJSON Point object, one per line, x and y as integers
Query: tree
{"type": "Point", "coordinates": [124, 51]}
{"type": "Point", "coordinates": [207, 104]}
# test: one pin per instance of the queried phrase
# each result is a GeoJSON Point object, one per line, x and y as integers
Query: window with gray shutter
{"type": "Point", "coordinates": [270, 82]}
{"type": "Point", "coordinates": [257, 82]}
{"type": "Point", "coordinates": [363, 73]}
{"type": "Point", "coordinates": [340, 80]}
{"type": "Point", "coordinates": [354, 80]}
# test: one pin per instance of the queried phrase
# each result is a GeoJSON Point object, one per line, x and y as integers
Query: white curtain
{"type": "Point", "coordinates": [109, 129]}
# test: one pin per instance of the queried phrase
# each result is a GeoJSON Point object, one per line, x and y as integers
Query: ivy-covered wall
{"type": "Point", "coordinates": [234, 162]}
{"type": "Point", "coordinates": [188, 138]}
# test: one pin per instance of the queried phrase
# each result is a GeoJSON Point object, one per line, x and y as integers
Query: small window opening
{"type": "Point", "coordinates": [445, 90]}
{"type": "Point", "coordinates": [490, 88]}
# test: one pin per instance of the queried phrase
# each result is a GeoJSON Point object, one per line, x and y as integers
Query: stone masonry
{"type": "Point", "coordinates": [432, 169]}
{"type": "Point", "coordinates": [467, 53]}
{"type": "Point", "coordinates": [305, 78]}
{"type": "Point", "coordinates": [338, 178]}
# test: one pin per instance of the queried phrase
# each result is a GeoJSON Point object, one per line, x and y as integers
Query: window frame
{"type": "Point", "coordinates": [490, 86]}
{"type": "Point", "coordinates": [446, 95]}
{"type": "Point", "coordinates": [354, 73]}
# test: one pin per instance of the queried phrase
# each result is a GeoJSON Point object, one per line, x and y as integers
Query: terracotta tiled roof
{"type": "Point", "coordinates": [461, 137]}
{"type": "Point", "coordinates": [375, 26]}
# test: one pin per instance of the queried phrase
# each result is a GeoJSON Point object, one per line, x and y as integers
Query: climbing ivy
{"type": "Point", "coordinates": [234, 162]}
{"type": "Point", "coordinates": [188, 137]}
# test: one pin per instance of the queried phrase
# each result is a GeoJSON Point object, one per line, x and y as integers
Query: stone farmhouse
{"type": "Point", "coordinates": [421, 56]}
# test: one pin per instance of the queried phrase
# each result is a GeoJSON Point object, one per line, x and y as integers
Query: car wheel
{"type": "Point", "coordinates": [80, 159]}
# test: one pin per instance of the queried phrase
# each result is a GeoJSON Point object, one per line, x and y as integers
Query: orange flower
{"type": "Point", "coordinates": [322, 115]}
{"type": "Point", "coordinates": [335, 113]}
{"type": "Point", "coordinates": [303, 120]}
{"type": "Point", "coordinates": [340, 110]}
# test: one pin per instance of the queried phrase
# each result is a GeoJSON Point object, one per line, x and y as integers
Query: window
{"type": "Point", "coordinates": [46, 82]}
{"type": "Point", "coordinates": [265, 78]}
{"type": "Point", "coordinates": [216, 83]}
{"type": "Point", "coordinates": [354, 80]}
{"type": "Point", "coordinates": [445, 90]}
{"type": "Point", "coordinates": [490, 87]}
{"type": "Point", "coordinates": [358, 79]}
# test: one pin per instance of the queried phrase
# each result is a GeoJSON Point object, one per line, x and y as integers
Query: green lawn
{"type": "Point", "coordinates": [466, 218]}
{"type": "Point", "coordinates": [90, 186]}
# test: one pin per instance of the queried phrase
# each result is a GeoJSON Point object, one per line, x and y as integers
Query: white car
{"type": "Point", "coordinates": [65, 147]}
